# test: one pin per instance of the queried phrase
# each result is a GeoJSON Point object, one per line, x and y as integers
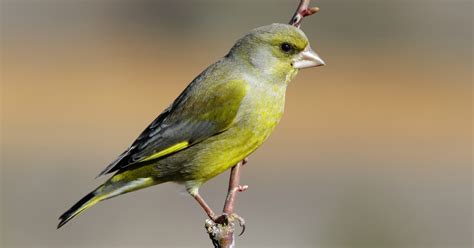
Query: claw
{"type": "Point", "coordinates": [225, 219]}
{"type": "Point", "coordinates": [241, 222]}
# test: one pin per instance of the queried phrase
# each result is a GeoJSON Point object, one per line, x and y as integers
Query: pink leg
{"type": "Point", "coordinates": [206, 207]}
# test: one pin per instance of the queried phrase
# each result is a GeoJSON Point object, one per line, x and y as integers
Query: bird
{"type": "Point", "coordinates": [220, 118]}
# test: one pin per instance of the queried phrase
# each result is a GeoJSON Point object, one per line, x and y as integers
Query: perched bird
{"type": "Point", "coordinates": [222, 116]}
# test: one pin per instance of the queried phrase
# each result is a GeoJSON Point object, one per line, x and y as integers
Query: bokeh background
{"type": "Point", "coordinates": [374, 150]}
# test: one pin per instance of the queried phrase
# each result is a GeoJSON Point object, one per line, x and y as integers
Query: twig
{"type": "Point", "coordinates": [302, 11]}
{"type": "Point", "coordinates": [221, 231]}
{"type": "Point", "coordinates": [234, 187]}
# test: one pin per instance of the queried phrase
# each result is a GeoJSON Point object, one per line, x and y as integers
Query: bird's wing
{"type": "Point", "coordinates": [201, 111]}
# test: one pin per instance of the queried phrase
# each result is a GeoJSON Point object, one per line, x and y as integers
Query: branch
{"type": "Point", "coordinates": [234, 187]}
{"type": "Point", "coordinates": [221, 231]}
{"type": "Point", "coordinates": [302, 11]}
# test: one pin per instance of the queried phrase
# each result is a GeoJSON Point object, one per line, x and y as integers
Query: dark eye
{"type": "Point", "coordinates": [286, 47]}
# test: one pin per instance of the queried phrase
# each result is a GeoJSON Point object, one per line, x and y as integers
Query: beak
{"type": "Point", "coordinates": [308, 58]}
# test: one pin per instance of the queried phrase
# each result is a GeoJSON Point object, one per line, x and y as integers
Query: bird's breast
{"type": "Point", "coordinates": [259, 113]}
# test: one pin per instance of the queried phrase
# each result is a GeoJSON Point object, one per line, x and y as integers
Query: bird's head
{"type": "Point", "coordinates": [276, 50]}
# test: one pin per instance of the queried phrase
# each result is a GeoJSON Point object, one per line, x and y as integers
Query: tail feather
{"type": "Point", "coordinates": [86, 202]}
{"type": "Point", "coordinates": [115, 186]}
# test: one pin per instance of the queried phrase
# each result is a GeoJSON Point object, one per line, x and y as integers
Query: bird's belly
{"type": "Point", "coordinates": [222, 151]}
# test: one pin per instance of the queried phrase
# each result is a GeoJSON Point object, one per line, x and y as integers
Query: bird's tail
{"type": "Point", "coordinates": [113, 187]}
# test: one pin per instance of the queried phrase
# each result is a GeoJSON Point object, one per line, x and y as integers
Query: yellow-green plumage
{"type": "Point", "coordinates": [226, 113]}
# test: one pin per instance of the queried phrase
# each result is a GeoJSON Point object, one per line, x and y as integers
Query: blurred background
{"type": "Point", "coordinates": [374, 150]}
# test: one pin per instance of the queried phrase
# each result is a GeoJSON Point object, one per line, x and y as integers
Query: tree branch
{"type": "Point", "coordinates": [302, 11]}
{"type": "Point", "coordinates": [234, 187]}
{"type": "Point", "coordinates": [221, 230]}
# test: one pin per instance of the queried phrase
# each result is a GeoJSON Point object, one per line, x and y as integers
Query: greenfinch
{"type": "Point", "coordinates": [221, 117]}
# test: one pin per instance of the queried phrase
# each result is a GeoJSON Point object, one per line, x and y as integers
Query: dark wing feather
{"type": "Point", "coordinates": [200, 112]}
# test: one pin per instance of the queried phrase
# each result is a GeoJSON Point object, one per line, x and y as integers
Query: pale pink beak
{"type": "Point", "coordinates": [307, 58]}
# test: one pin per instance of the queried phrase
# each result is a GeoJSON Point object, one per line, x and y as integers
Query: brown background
{"type": "Point", "coordinates": [374, 149]}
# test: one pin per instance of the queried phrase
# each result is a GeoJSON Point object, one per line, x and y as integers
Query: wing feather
{"type": "Point", "coordinates": [200, 112]}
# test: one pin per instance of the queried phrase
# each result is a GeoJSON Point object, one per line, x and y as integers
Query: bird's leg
{"type": "Point", "coordinates": [234, 187]}
{"type": "Point", "coordinates": [204, 206]}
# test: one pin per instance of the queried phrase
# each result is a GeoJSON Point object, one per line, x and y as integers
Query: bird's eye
{"type": "Point", "coordinates": [286, 47]}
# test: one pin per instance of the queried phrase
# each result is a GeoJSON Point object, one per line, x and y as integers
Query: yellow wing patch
{"type": "Point", "coordinates": [169, 150]}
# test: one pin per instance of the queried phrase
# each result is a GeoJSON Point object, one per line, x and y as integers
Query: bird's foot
{"type": "Point", "coordinates": [241, 222]}
{"type": "Point", "coordinates": [226, 220]}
